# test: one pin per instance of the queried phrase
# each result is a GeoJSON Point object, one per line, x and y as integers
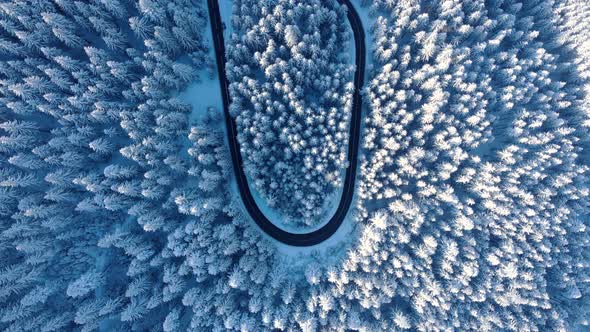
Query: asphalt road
{"type": "Point", "coordinates": [323, 233]}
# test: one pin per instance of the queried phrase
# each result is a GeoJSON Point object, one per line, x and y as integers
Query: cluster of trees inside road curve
{"type": "Point", "coordinates": [117, 214]}
{"type": "Point", "coordinates": [291, 88]}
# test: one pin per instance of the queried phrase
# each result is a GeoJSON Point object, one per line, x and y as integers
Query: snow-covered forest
{"type": "Point", "coordinates": [291, 82]}
{"type": "Point", "coordinates": [476, 153]}
{"type": "Point", "coordinates": [117, 212]}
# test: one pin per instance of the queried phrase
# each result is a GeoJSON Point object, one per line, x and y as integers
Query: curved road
{"type": "Point", "coordinates": [323, 233]}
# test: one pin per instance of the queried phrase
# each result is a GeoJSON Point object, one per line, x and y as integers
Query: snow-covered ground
{"type": "Point", "coordinates": [225, 9]}
{"type": "Point", "coordinates": [201, 95]}
{"type": "Point", "coordinates": [205, 92]}
{"type": "Point", "coordinates": [367, 24]}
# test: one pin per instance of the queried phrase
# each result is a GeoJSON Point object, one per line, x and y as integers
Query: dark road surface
{"type": "Point", "coordinates": [323, 233]}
